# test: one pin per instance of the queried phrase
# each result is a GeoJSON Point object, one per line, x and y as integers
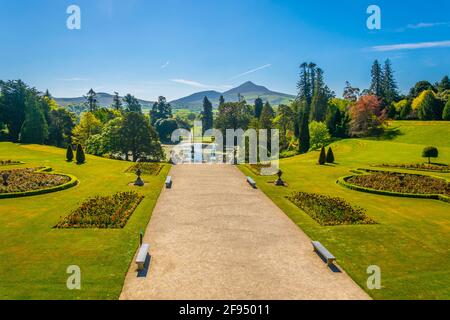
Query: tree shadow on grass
{"type": "Point", "coordinates": [389, 134]}
{"type": "Point", "coordinates": [143, 273]}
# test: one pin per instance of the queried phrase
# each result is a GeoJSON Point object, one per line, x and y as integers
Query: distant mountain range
{"type": "Point", "coordinates": [248, 90]}
{"type": "Point", "coordinates": [194, 102]}
{"type": "Point", "coordinates": [104, 99]}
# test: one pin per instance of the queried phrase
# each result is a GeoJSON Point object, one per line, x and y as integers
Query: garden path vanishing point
{"type": "Point", "coordinates": [214, 237]}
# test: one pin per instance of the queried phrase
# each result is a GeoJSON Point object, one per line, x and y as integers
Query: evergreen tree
{"type": "Point", "coordinates": [428, 107]}
{"type": "Point", "coordinates": [304, 85]}
{"type": "Point", "coordinates": [319, 101]}
{"type": "Point", "coordinates": [117, 102]}
{"type": "Point", "coordinates": [221, 100]}
{"type": "Point", "coordinates": [69, 153]}
{"type": "Point", "coordinates": [446, 112]}
{"type": "Point", "coordinates": [207, 115]}
{"type": "Point", "coordinates": [258, 107]}
{"type": "Point", "coordinates": [322, 157]}
{"type": "Point", "coordinates": [91, 101]}
{"type": "Point", "coordinates": [304, 139]}
{"type": "Point", "coordinates": [160, 110]}
{"type": "Point", "coordinates": [389, 85]}
{"type": "Point", "coordinates": [132, 104]}
{"type": "Point", "coordinates": [406, 111]}
{"type": "Point", "coordinates": [81, 158]}
{"type": "Point", "coordinates": [34, 128]}
{"type": "Point", "coordinates": [376, 87]}
{"type": "Point", "coordinates": [330, 156]}
{"type": "Point", "coordinates": [444, 84]}
{"type": "Point", "coordinates": [392, 112]}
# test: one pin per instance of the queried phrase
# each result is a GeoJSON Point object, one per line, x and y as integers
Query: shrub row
{"type": "Point", "coordinates": [103, 212]}
{"type": "Point", "coordinates": [329, 211]}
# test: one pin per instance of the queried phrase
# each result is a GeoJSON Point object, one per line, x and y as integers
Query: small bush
{"type": "Point", "coordinates": [103, 212]}
{"type": "Point", "coordinates": [329, 211]}
{"type": "Point", "coordinates": [430, 152]}
{"type": "Point", "coordinates": [330, 156]}
{"type": "Point", "coordinates": [322, 157]}
{"type": "Point", "coordinates": [81, 158]}
{"type": "Point", "coordinates": [69, 153]}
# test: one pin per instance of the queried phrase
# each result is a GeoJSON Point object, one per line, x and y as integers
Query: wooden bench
{"type": "Point", "coordinates": [319, 248]}
{"type": "Point", "coordinates": [251, 182]}
{"type": "Point", "coordinates": [142, 256]}
{"type": "Point", "coordinates": [169, 182]}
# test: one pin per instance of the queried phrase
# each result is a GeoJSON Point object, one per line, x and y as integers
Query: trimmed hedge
{"type": "Point", "coordinates": [343, 182]}
{"type": "Point", "coordinates": [72, 183]}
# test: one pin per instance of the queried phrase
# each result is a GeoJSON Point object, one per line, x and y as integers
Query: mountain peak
{"type": "Point", "coordinates": [248, 87]}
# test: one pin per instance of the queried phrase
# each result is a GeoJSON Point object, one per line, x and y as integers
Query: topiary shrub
{"type": "Point", "coordinates": [69, 153]}
{"type": "Point", "coordinates": [430, 152]}
{"type": "Point", "coordinates": [446, 112]}
{"type": "Point", "coordinates": [330, 156]}
{"type": "Point", "coordinates": [81, 158]}
{"type": "Point", "coordinates": [322, 157]}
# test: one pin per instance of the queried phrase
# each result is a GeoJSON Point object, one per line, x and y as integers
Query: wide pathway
{"type": "Point", "coordinates": [213, 237]}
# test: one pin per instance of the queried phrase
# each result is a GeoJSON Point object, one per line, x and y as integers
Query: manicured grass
{"type": "Point", "coordinates": [34, 256]}
{"type": "Point", "coordinates": [411, 240]}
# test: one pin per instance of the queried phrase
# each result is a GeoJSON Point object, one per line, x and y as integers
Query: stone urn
{"type": "Point", "coordinates": [139, 182]}
{"type": "Point", "coordinates": [279, 182]}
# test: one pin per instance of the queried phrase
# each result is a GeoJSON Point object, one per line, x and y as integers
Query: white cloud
{"type": "Point", "coordinates": [427, 25]}
{"type": "Point", "coordinates": [412, 46]}
{"type": "Point", "coordinates": [165, 65]}
{"type": "Point", "coordinates": [251, 71]}
{"type": "Point", "coordinates": [199, 85]}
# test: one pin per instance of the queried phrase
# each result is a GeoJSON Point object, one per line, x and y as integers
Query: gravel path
{"type": "Point", "coordinates": [213, 237]}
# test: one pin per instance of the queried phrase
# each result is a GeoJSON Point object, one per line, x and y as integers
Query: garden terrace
{"type": "Point", "coordinates": [399, 183]}
{"type": "Point", "coordinates": [103, 212]}
{"type": "Point", "coordinates": [329, 211]}
{"type": "Point", "coordinates": [148, 168]}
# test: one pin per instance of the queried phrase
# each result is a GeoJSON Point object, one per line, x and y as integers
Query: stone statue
{"type": "Point", "coordinates": [279, 182]}
{"type": "Point", "coordinates": [139, 182]}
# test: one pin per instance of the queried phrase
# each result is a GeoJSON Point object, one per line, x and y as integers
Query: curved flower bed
{"type": "Point", "coordinates": [103, 212]}
{"type": "Point", "coordinates": [26, 182]}
{"type": "Point", "coordinates": [418, 167]}
{"type": "Point", "coordinates": [398, 184]}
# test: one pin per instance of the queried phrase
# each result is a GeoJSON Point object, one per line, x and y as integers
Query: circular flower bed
{"type": "Point", "coordinates": [33, 181]}
{"type": "Point", "coordinates": [398, 184]}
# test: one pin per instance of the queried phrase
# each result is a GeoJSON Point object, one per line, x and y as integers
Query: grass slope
{"type": "Point", "coordinates": [411, 241]}
{"type": "Point", "coordinates": [34, 256]}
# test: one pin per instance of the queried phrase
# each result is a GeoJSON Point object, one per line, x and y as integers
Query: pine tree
{"type": "Point", "coordinates": [376, 87]}
{"type": "Point", "coordinates": [221, 100]}
{"type": "Point", "coordinates": [304, 85]}
{"type": "Point", "coordinates": [444, 84]}
{"type": "Point", "coordinates": [69, 153]}
{"type": "Point", "coordinates": [91, 100]}
{"type": "Point", "coordinates": [305, 138]}
{"type": "Point", "coordinates": [322, 157]}
{"type": "Point", "coordinates": [258, 107]}
{"type": "Point", "coordinates": [81, 158]}
{"type": "Point", "coordinates": [207, 115]}
{"type": "Point", "coordinates": [389, 85]}
{"type": "Point", "coordinates": [117, 102]}
{"type": "Point", "coordinates": [330, 156]}
{"type": "Point", "coordinates": [319, 101]}
{"type": "Point", "coordinates": [446, 112]}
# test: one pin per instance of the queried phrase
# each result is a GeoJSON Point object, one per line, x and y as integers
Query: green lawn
{"type": "Point", "coordinates": [411, 241]}
{"type": "Point", "coordinates": [34, 256]}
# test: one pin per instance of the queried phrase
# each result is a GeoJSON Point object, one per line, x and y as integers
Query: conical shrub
{"type": "Point", "coordinates": [69, 153]}
{"type": "Point", "coordinates": [81, 158]}
{"type": "Point", "coordinates": [322, 157]}
{"type": "Point", "coordinates": [330, 156]}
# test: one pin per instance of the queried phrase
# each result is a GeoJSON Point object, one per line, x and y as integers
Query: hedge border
{"type": "Point", "coordinates": [72, 183]}
{"type": "Point", "coordinates": [343, 182]}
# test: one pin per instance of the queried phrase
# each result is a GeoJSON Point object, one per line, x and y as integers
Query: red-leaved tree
{"type": "Point", "coordinates": [366, 117]}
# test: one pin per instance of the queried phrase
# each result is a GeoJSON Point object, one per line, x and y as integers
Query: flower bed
{"type": "Point", "coordinates": [9, 163]}
{"type": "Point", "coordinates": [419, 167]}
{"type": "Point", "coordinates": [256, 168]}
{"type": "Point", "coordinates": [329, 211]}
{"type": "Point", "coordinates": [31, 179]}
{"type": "Point", "coordinates": [149, 168]}
{"type": "Point", "coordinates": [104, 212]}
{"type": "Point", "coordinates": [398, 184]}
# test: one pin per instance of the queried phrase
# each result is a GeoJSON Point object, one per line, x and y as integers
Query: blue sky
{"type": "Point", "coordinates": [176, 47]}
